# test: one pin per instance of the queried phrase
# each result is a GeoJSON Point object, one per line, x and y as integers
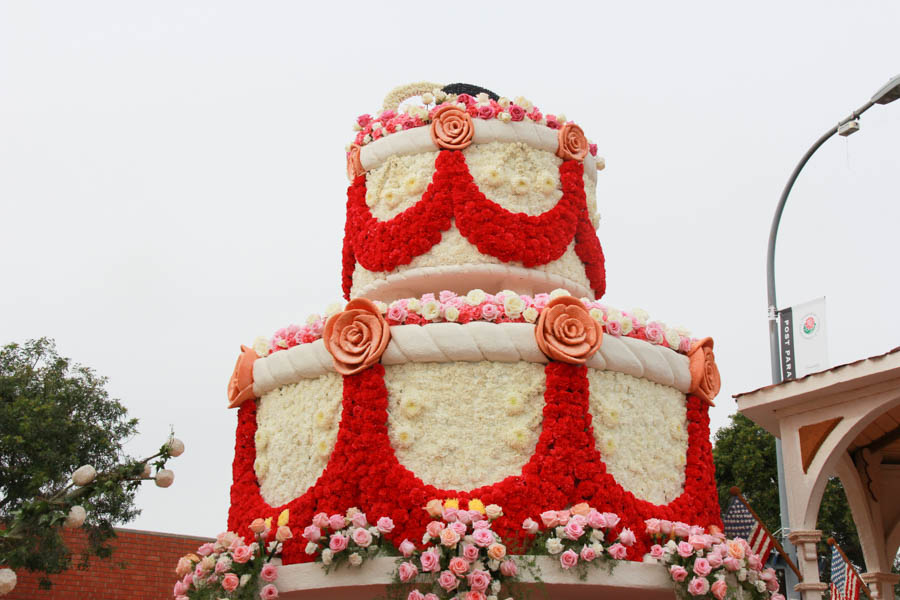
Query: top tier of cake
{"type": "Point", "coordinates": [463, 191]}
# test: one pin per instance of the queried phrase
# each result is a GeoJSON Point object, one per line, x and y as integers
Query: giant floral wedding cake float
{"type": "Point", "coordinates": [474, 361]}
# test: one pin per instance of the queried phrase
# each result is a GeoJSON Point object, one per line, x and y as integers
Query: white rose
{"type": "Point", "coordinates": [554, 546]}
{"type": "Point", "coordinates": [561, 118]}
{"type": "Point", "coordinates": [493, 511]}
{"type": "Point", "coordinates": [334, 308]}
{"type": "Point", "coordinates": [311, 548]}
{"type": "Point", "coordinates": [327, 555]}
{"type": "Point", "coordinates": [75, 517]}
{"type": "Point", "coordinates": [164, 478]}
{"type": "Point", "coordinates": [760, 586]}
{"type": "Point", "coordinates": [560, 531]}
{"type": "Point", "coordinates": [513, 305]}
{"type": "Point", "coordinates": [176, 447]}
{"type": "Point", "coordinates": [431, 310]}
{"type": "Point", "coordinates": [311, 319]}
{"type": "Point", "coordinates": [596, 314]}
{"type": "Point", "coordinates": [558, 292]}
{"type": "Point", "coordinates": [475, 297]}
{"type": "Point", "coordinates": [673, 339]}
{"type": "Point", "coordinates": [245, 579]}
{"type": "Point", "coordinates": [440, 95]}
{"type": "Point", "coordinates": [503, 101]}
{"type": "Point", "coordinates": [84, 475]}
{"type": "Point", "coordinates": [530, 314]}
{"type": "Point", "coordinates": [427, 97]}
{"type": "Point", "coordinates": [482, 98]}
{"type": "Point", "coordinates": [640, 316]}
{"type": "Point", "coordinates": [597, 548]}
{"type": "Point", "coordinates": [381, 306]}
{"type": "Point", "coordinates": [504, 117]}
{"type": "Point", "coordinates": [742, 575]}
{"type": "Point", "coordinates": [261, 346]}
{"type": "Point", "coordinates": [596, 535]}
{"type": "Point", "coordinates": [355, 559]}
{"type": "Point", "coordinates": [7, 580]}
{"type": "Point", "coordinates": [627, 326]}
{"type": "Point", "coordinates": [451, 313]}
{"type": "Point", "coordinates": [413, 305]}
{"type": "Point", "coordinates": [524, 102]}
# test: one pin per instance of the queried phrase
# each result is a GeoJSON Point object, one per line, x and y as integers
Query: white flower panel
{"type": "Point", "coordinates": [296, 429]}
{"type": "Point", "coordinates": [459, 426]}
{"type": "Point", "coordinates": [640, 428]}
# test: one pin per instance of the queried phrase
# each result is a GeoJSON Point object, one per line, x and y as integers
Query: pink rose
{"type": "Point", "coordinates": [613, 328]}
{"type": "Point", "coordinates": [753, 562]}
{"type": "Point", "coordinates": [665, 526]}
{"type": "Point", "coordinates": [336, 522]}
{"type": "Point", "coordinates": [626, 536]}
{"type": "Point", "coordinates": [430, 561]}
{"type": "Point", "coordinates": [574, 530]}
{"type": "Point", "coordinates": [475, 595]}
{"type": "Point", "coordinates": [407, 571]}
{"type": "Point", "coordinates": [652, 526]}
{"type": "Point", "coordinates": [223, 564]}
{"type": "Point", "coordinates": [654, 334]}
{"type": "Point", "coordinates": [483, 537]}
{"type": "Point", "coordinates": [588, 554]}
{"type": "Point", "coordinates": [516, 112]}
{"type": "Point", "coordinates": [320, 520]}
{"type": "Point", "coordinates": [612, 519]}
{"type": "Point", "coordinates": [338, 542]}
{"type": "Point", "coordinates": [458, 527]}
{"type": "Point", "coordinates": [490, 312]}
{"type": "Point", "coordinates": [407, 548]}
{"type": "Point", "coordinates": [702, 567]}
{"type": "Point", "coordinates": [363, 120]}
{"type": "Point", "coordinates": [776, 597]}
{"type": "Point", "coordinates": [678, 573]}
{"type": "Point", "coordinates": [592, 148]}
{"type": "Point", "coordinates": [530, 526]}
{"type": "Point", "coordinates": [699, 542]}
{"type": "Point", "coordinates": [563, 516]}
{"type": "Point", "coordinates": [509, 568]}
{"type": "Point", "coordinates": [458, 565]}
{"type": "Point", "coordinates": [535, 115]}
{"type": "Point", "coordinates": [230, 582]}
{"type": "Point", "coordinates": [269, 572]}
{"type": "Point", "coordinates": [416, 595]}
{"type": "Point", "coordinates": [434, 528]}
{"type": "Point", "coordinates": [396, 313]}
{"type": "Point", "coordinates": [656, 551]}
{"type": "Point", "coordinates": [549, 518]}
{"type": "Point", "coordinates": [714, 560]}
{"type": "Point", "coordinates": [596, 520]}
{"type": "Point", "coordinates": [283, 533]}
{"type": "Point", "coordinates": [552, 123]}
{"type": "Point", "coordinates": [449, 537]}
{"type": "Point", "coordinates": [470, 552]}
{"type": "Point", "coordinates": [312, 533]}
{"type": "Point", "coordinates": [698, 586]}
{"type": "Point", "coordinates": [180, 588]}
{"type": "Point", "coordinates": [481, 524]}
{"type": "Point", "coordinates": [732, 563]}
{"type": "Point", "coordinates": [485, 112]}
{"type": "Point", "coordinates": [359, 520]}
{"type": "Point", "coordinates": [206, 549]}
{"type": "Point", "coordinates": [479, 580]}
{"type": "Point", "coordinates": [269, 592]}
{"type": "Point", "coordinates": [242, 554]}
{"type": "Point", "coordinates": [617, 551]}
{"type": "Point", "coordinates": [448, 580]}
{"type": "Point", "coordinates": [719, 589]}
{"type": "Point", "coordinates": [568, 559]}
{"type": "Point", "coordinates": [451, 514]}
{"type": "Point", "coordinates": [362, 537]}
{"type": "Point", "coordinates": [685, 549]}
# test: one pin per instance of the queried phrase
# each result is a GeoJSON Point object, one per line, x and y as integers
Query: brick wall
{"type": "Point", "coordinates": [149, 573]}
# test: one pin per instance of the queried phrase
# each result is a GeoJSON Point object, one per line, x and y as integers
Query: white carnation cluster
{"type": "Point", "coordinates": [398, 183]}
{"type": "Point", "coordinates": [640, 428]}
{"type": "Point", "coordinates": [297, 427]}
{"type": "Point", "coordinates": [464, 425]}
{"type": "Point", "coordinates": [516, 176]}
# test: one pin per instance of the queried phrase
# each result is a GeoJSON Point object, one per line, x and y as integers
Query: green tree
{"type": "Point", "coordinates": [744, 454]}
{"type": "Point", "coordinates": [56, 416]}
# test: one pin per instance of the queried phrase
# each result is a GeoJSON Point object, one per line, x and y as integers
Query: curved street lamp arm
{"type": "Point", "coordinates": [773, 235]}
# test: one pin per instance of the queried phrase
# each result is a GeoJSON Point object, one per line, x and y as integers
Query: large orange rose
{"type": "Point", "coordinates": [240, 386]}
{"type": "Point", "coordinates": [356, 337]}
{"type": "Point", "coordinates": [452, 128]}
{"type": "Point", "coordinates": [705, 380]}
{"type": "Point", "coordinates": [354, 166]}
{"type": "Point", "coordinates": [566, 332]}
{"type": "Point", "coordinates": [572, 143]}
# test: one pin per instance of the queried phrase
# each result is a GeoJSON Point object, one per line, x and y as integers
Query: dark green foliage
{"type": "Point", "coordinates": [54, 417]}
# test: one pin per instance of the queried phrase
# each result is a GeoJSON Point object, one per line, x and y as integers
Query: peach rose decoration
{"type": "Point", "coordinates": [354, 166]}
{"type": "Point", "coordinates": [573, 145]}
{"type": "Point", "coordinates": [240, 386]}
{"type": "Point", "coordinates": [357, 337]}
{"type": "Point", "coordinates": [566, 332]}
{"type": "Point", "coordinates": [451, 128]}
{"type": "Point", "coordinates": [705, 380]}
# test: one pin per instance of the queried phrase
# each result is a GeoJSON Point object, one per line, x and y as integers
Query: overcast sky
{"type": "Point", "coordinates": [172, 177]}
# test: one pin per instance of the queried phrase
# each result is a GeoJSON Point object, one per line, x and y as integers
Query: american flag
{"type": "Point", "coordinates": [739, 522]}
{"type": "Point", "coordinates": [844, 581]}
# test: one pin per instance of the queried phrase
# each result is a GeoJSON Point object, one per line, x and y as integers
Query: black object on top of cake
{"type": "Point", "coordinates": [468, 88]}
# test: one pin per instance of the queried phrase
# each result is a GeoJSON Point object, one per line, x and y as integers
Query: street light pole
{"type": "Point", "coordinates": [888, 93]}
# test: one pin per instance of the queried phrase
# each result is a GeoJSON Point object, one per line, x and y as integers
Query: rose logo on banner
{"type": "Point", "coordinates": [810, 325]}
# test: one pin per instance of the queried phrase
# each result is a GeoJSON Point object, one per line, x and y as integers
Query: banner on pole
{"type": "Point", "coordinates": [804, 344]}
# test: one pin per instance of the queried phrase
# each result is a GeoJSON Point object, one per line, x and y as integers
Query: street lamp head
{"type": "Point", "coordinates": [889, 92]}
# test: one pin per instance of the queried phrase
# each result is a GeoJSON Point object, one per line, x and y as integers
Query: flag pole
{"type": "Point", "coordinates": [736, 492]}
{"type": "Point", "coordinates": [865, 588]}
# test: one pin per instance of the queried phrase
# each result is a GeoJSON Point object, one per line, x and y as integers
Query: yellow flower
{"type": "Point", "coordinates": [451, 503]}
{"type": "Point", "coordinates": [476, 504]}
{"type": "Point", "coordinates": [269, 523]}
{"type": "Point", "coordinates": [283, 517]}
